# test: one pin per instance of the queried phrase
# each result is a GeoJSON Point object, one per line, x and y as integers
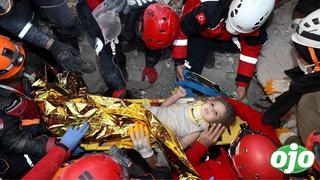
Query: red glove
{"type": "Point", "coordinates": [152, 74]}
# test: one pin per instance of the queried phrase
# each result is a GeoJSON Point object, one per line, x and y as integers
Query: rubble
{"type": "Point", "coordinates": [273, 60]}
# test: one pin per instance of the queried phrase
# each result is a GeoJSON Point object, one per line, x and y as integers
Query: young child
{"type": "Point", "coordinates": [188, 119]}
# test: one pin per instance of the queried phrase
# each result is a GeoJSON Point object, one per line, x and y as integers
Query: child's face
{"type": "Point", "coordinates": [212, 111]}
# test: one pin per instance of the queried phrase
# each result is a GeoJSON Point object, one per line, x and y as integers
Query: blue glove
{"type": "Point", "coordinates": [73, 135]}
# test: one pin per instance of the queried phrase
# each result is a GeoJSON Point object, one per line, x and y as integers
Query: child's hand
{"type": "Point", "coordinates": [180, 92]}
{"type": "Point", "coordinates": [211, 135]}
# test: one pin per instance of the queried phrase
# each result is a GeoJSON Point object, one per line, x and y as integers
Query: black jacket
{"type": "Point", "coordinates": [300, 84]}
{"type": "Point", "coordinates": [15, 140]}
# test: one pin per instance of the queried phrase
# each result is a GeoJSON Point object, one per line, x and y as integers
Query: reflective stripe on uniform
{"type": "Point", "coordinates": [24, 30]}
{"type": "Point", "coordinates": [26, 156]}
{"type": "Point", "coordinates": [180, 42]}
{"type": "Point", "coordinates": [248, 59]}
{"type": "Point", "coordinates": [53, 6]}
{"type": "Point", "coordinates": [209, 0]}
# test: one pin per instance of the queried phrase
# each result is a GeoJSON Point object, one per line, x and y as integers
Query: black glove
{"type": "Point", "coordinates": [69, 58]}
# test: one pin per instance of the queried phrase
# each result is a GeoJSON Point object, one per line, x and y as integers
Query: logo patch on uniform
{"type": "Point", "coordinates": [1, 124]}
{"type": "Point", "coordinates": [201, 18]}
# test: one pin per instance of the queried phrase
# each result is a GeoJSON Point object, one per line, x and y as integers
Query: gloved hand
{"type": "Point", "coordinates": [139, 135]}
{"type": "Point", "coordinates": [276, 86]}
{"type": "Point", "coordinates": [152, 74]}
{"type": "Point", "coordinates": [73, 136]}
{"type": "Point", "coordinates": [69, 58]}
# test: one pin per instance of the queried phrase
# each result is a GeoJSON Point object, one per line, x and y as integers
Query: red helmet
{"type": "Point", "coordinates": [95, 166]}
{"type": "Point", "coordinates": [313, 144]}
{"type": "Point", "coordinates": [251, 153]}
{"type": "Point", "coordinates": [160, 26]}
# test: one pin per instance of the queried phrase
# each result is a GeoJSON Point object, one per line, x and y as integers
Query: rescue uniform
{"type": "Point", "coordinates": [19, 21]}
{"type": "Point", "coordinates": [300, 85]}
{"type": "Point", "coordinates": [16, 99]}
{"type": "Point", "coordinates": [203, 27]}
{"type": "Point", "coordinates": [22, 133]}
{"type": "Point", "coordinates": [308, 114]}
{"type": "Point", "coordinates": [19, 149]}
{"type": "Point", "coordinates": [48, 167]}
{"type": "Point", "coordinates": [49, 164]}
{"type": "Point", "coordinates": [113, 67]}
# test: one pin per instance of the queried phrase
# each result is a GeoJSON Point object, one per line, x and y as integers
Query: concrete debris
{"type": "Point", "coordinates": [275, 58]}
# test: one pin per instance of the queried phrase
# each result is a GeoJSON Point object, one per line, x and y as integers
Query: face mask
{"type": "Point", "coordinates": [305, 68]}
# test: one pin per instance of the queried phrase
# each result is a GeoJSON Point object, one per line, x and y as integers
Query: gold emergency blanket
{"type": "Point", "coordinates": [67, 103]}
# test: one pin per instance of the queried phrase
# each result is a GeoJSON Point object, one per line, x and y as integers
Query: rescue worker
{"type": "Point", "coordinates": [17, 18]}
{"type": "Point", "coordinates": [224, 28]}
{"type": "Point", "coordinates": [23, 136]}
{"type": "Point", "coordinates": [48, 165]}
{"type": "Point", "coordinates": [156, 24]}
{"type": "Point", "coordinates": [18, 70]}
{"type": "Point", "coordinates": [20, 150]}
{"type": "Point", "coordinates": [305, 80]}
{"type": "Point", "coordinates": [251, 152]}
{"type": "Point", "coordinates": [114, 164]}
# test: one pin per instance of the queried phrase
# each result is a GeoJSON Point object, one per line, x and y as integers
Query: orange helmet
{"type": "Point", "coordinates": [161, 24]}
{"type": "Point", "coordinates": [12, 58]}
{"type": "Point", "coordinates": [94, 166]}
{"type": "Point", "coordinates": [251, 152]}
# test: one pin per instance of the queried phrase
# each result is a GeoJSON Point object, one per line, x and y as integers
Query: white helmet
{"type": "Point", "coordinates": [246, 16]}
{"type": "Point", "coordinates": [308, 31]}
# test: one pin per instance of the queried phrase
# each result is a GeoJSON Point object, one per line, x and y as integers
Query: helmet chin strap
{"type": "Point", "coordinates": [314, 59]}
